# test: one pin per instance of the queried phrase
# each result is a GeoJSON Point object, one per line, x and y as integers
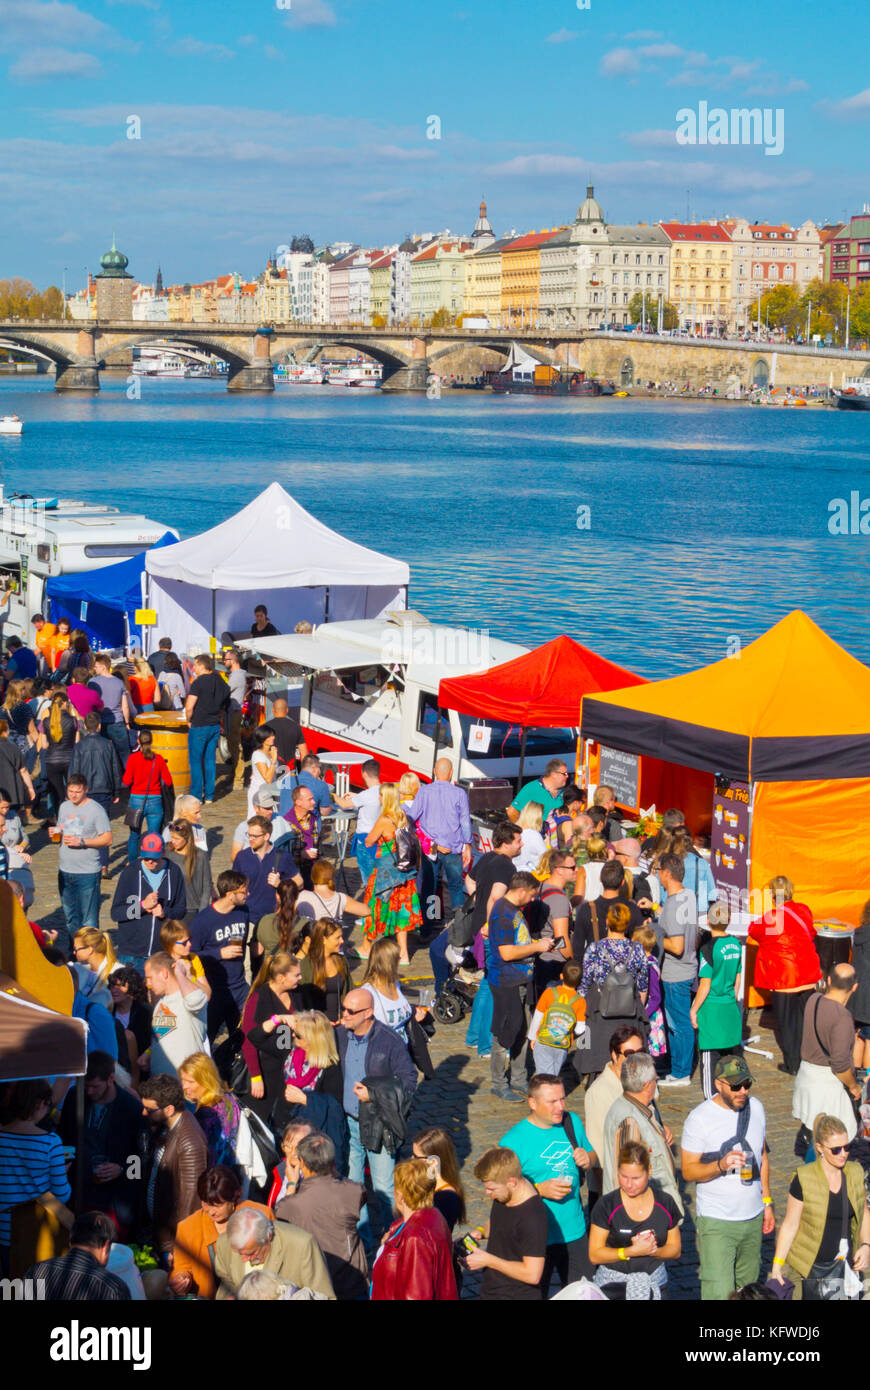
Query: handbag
{"type": "Point", "coordinates": [826, 1283]}
{"type": "Point", "coordinates": [135, 816]}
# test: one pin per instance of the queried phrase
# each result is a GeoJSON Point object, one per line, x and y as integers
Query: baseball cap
{"type": "Point", "coordinates": [267, 797]}
{"type": "Point", "coordinates": [151, 846]}
{"type": "Point", "coordinates": [732, 1069]}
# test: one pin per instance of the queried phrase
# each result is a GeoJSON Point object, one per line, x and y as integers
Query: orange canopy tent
{"type": "Point", "coordinates": [790, 714]}
{"type": "Point", "coordinates": [546, 688]}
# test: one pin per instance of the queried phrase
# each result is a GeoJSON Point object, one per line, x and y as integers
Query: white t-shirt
{"type": "Point", "coordinates": [177, 1030]}
{"type": "Point", "coordinates": [593, 880]}
{"type": "Point", "coordinates": [258, 761]}
{"type": "Point", "coordinates": [707, 1128]}
{"type": "Point", "coordinates": [393, 1012]}
{"type": "Point", "coordinates": [316, 905]}
{"type": "Point", "coordinates": [368, 805]}
{"type": "Point", "coordinates": [533, 847]}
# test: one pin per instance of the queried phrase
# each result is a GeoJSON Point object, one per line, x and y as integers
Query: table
{"type": "Point", "coordinates": [342, 821]}
{"type": "Point", "coordinates": [342, 759]}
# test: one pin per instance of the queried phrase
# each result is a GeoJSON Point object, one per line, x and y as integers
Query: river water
{"type": "Point", "coordinates": [706, 522]}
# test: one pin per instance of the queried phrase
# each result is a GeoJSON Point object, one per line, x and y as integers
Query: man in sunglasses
{"type": "Point", "coordinates": [725, 1153]}
{"type": "Point", "coordinates": [378, 1079]}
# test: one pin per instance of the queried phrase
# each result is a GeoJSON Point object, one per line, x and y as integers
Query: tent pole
{"type": "Point", "coordinates": [522, 761]}
{"type": "Point", "coordinates": [79, 1192]}
{"type": "Point", "coordinates": [214, 614]}
{"type": "Point", "coordinates": [326, 606]}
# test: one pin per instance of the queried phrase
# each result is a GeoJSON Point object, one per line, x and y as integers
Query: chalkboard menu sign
{"type": "Point", "coordinates": [729, 841]}
{"type": "Point", "coordinates": [621, 771]}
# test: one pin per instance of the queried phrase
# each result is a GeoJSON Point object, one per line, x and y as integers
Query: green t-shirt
{"type": "Point", "coordinates": [536, 791]}
{"type": "Point", "coordinates": [547, 1153]}
{"type": "Point", "coordinates": [720, 1020]}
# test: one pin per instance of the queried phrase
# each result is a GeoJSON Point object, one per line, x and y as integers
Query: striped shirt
{"type": "Point", "coordinates": [78, 1277]}
{"type": "Point", "coordinates": [30, 1164]}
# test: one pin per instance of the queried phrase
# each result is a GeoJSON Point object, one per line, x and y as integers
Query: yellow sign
{"type": "Point", "coordinates": [214, 646]}
{"type": "Point", "coordinates": [145, 617]}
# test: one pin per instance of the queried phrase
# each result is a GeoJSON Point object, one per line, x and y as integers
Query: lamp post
{"type": "Point", "coordinates": [809, 313]}
{"type": "Point", "coordinates": [848, 307]}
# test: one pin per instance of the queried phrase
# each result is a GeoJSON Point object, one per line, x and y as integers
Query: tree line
{"type": "Point", "coordinates": [19, 299]}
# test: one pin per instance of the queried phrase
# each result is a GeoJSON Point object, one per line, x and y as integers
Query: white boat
{"type": "Point", "coordinates": [159, 362]}
{"type": "Point", "coordinates": [359, 373]}
{"type": "Point", "coordinates": [10, 424]}
{"type": "Point", "coordinates": [299, 374]}
{"type": "Point", "coordinates": [371, 686]}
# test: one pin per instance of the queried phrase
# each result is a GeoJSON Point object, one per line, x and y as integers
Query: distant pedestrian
{"type": "Point", "coordinates": [261, 627]}
{"type": "Point", "coordinates": [206, 704]}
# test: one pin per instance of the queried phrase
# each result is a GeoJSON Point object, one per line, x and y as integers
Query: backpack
{"type": "Point", "coordinates": [558, 1024]}
{"type": "Point", "coordinates": [461, 932]}
{"type": "Point", "coordinates": [616, 997]}
{"type": "Point", "coordinates": [408, 853]}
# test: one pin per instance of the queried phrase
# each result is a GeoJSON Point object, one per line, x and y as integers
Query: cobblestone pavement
{"type": "Point", "coordinates": [459, 1096]}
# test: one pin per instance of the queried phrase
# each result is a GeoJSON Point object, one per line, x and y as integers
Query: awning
{"type": "Point", "coordinates": [315, 653]}
{"type": "Point", "coordinates": [35, 1041]}
{"type": "Point", "coordinates": [542, 689]}
{"type": "Point", "coordinates": [98, 600]}
{"type": "Point", "coordinates": [792, 706]}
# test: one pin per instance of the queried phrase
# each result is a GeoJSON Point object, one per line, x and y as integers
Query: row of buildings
{"type": "Point", "coordinates": [580, 276]}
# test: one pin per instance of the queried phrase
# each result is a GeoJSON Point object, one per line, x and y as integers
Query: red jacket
{"type": "Point", "coordinates": [787, 956]}
{"type": "Point", "coordinates": [416, 1261]}
{"type": "Point", "coordinates": [144, 775]}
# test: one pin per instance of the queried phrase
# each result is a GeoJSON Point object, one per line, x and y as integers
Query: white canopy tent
{"type": "Point", "coordinates": [274, 552]}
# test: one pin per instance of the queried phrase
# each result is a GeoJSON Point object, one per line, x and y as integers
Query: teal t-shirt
{"type": "Point", "coordinates": [720, 1021]}
{"type": "Point", "coordinates": [547, 1153]}
{"type": "Point", "coordinates": [536, 791]}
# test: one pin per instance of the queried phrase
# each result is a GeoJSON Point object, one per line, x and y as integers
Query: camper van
{"type": "Point", "coordinates": [41, 537]}
{"type": "Point", "coordinates": [372, 686]}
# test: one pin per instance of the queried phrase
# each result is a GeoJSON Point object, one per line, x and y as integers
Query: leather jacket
{"type": "Point", "coordinates": [184, 1158]}
{"type": "Point", "coordinates": [416, 1261]}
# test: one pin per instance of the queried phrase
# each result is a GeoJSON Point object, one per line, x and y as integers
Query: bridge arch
{"type": "Point", "coordinates": [39, 346]}
{"type": "Point", "coordinates": [760, 372]}
{"type": "Point", "coordinates": [202, 342]}
{"type": "Point", "coordinates": [390, 360]}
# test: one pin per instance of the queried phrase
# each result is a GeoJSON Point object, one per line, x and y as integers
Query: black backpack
{"type": "Point", "coordinates": [617, 997]}
{"type": "Point", "coordinates": [461, 931]}
{"type": "Point", "coordinates": [408, 853]}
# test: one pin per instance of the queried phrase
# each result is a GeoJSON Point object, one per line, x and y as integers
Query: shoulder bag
{"type": "Point", "coordinates": [134, 817]}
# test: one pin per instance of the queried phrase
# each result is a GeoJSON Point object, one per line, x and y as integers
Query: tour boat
{"type": "Point", "coordinates": [299, 374]}
{"type": "Point", "coordinates": [855, 394]}
{"type": "Point", "coordinates": [10, 424]}
{"type": "Point", "coordinates": [359, 373]}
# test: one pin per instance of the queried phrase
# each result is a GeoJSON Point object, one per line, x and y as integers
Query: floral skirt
{"type": "Point", "coordinates": [398, 910]}
{"type": "Point", "coordinates": [657, 1044]}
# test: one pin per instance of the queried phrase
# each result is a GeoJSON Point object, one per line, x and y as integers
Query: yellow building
{"type": "Point", "coordinates": [700, 275]}
{"type": "Point", "coordinates": [381, 279]}
{"type": "Point", "coordinates": [483, 270]}
{"type": "Point", "coordinates": [521, 279]}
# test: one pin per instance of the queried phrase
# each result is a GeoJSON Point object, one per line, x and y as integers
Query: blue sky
{"type": "Point", "coordinates": [260, 121]}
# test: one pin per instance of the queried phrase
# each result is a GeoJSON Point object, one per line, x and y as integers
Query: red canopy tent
{"type": "Point", "coordinates": [544, 690]}
{"type": "Point", "coordinates": [541, 690]}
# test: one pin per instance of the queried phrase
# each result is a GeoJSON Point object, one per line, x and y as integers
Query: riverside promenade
{"type": "Point", "coordinates": [459, 1098]}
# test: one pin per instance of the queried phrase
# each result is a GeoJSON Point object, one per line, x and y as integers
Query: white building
{"type": "Point", "coordinates": [148, 306]}
{"type": "Point", "coordinates": [308, 279]}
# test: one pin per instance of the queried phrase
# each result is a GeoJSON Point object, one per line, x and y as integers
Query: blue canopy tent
{"type": "Point", "coordinates": [103, 602]}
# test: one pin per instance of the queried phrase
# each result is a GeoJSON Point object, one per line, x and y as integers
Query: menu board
{"type": "Point", "coordinates": [729, 841]}
{"type": "Point", "coordinates": [621, 771]}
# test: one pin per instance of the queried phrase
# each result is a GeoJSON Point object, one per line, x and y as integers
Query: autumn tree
{"type": "Point", "coordinates": [670, 317]}
{"type": "Point", "coordinates": [780, 308]}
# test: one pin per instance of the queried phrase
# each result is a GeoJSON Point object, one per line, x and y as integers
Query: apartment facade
{"type": "Point", "coordinates": [438, 279]}
{"type": "Point", "coordinates": [847, 253]}
{"type": "Point", "coordinates": [701, 275]}
{"type": "Point", "coordinates": [765, 255]}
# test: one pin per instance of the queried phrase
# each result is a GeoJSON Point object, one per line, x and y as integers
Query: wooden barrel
{"type": "Point", "coordinates": [169, 730]}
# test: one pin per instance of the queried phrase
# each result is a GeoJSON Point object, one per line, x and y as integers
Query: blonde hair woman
{"type": "Point", "coordinates": [94, 949]}
{"type": "Point", "coordinates": [382, 982]}
{"type": "Point", "coordinates": [815, 1225]}
{"type": "Point", "coordinates": [58, 735]}
{"type": "Point", "coordinates": [391, 892]}
{"type": "Point", "coordinates": [314, 1052]}
{"type": "Point", "coordinates": [189, 808]}
{"type": "Point", "coordinates": [531, 823]}
{"type": "Point", "coordinates": [217, 1109]}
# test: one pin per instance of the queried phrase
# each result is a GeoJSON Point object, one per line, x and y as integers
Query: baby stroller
{"type": "Point", "coordinates": [456, 996]}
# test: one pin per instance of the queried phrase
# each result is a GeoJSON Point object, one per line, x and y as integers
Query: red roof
{"type": "Point", "coordinates": [694, 231]}
{"type": "Point", "coordinates": [543, 689]}
{"type": "Point", "coordinates": [384, 260]}
{"type": "Point", "coordinates": [526, 243]}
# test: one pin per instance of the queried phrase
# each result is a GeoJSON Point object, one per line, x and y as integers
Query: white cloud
{"type": "Point", "coordinates": [619, 62]}
{"type": "Point", "coordinates": [563, 36]}
{"type": "Point", "coordinates": [50, 64]}
{"type": "Point", "coordinates": [652, 139]}
{"type": "Point", "coordinates": [35, 21]}
{"type": "Point", "coordinates": [852, 108]}
{"type": "Point", "coordinates": [196, 48]}
{"type": "Point", "coordinates": [311, 14]}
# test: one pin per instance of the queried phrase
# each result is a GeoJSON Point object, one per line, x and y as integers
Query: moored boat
{"type": "Point", "coordinates": [10, 424]}
{"type": "Point", "coordinates": [855, 394]}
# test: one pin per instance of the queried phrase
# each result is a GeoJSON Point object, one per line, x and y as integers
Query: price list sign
{"type": "Point", "coordinates": [729, 841]}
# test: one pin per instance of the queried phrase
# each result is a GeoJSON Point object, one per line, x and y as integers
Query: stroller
{"type": "Point", "coordinates": [456, 996]}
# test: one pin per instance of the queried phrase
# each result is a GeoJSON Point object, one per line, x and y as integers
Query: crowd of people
{"type": "Point", "coordinates": [251, 1073]}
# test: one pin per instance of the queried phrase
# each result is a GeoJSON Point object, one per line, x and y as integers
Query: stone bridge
{"type": "Point", "coordinates": [79, 349]}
